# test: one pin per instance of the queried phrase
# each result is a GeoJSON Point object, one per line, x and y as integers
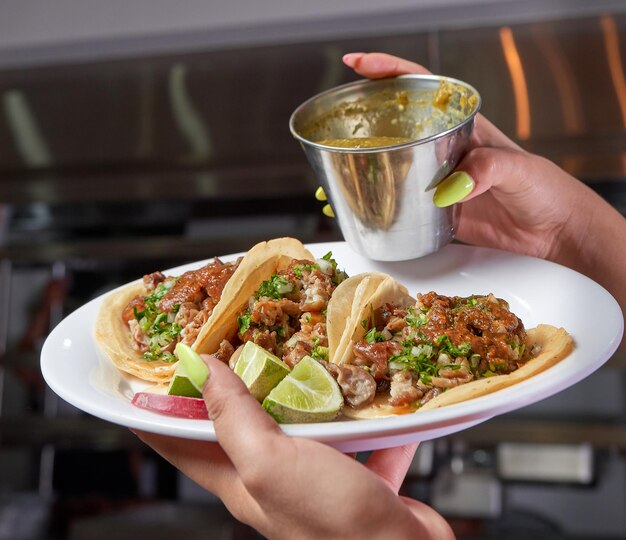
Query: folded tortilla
{"type": "Point", "coordinates": [112, 334]}
{"type": "Point", "coordinates": [554, 343]}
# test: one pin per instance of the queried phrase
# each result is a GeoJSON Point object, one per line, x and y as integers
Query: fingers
{"type": "Point", "coordinates": [208, 465]}
{"type": "Point", "coordinates": [392, 464]}
{"type": "Point", "coordinates": [379, 65]}
{"type": "Point", "coordinates": [205, 462]}
{"type": "Point", "coordinates": [244, 430]}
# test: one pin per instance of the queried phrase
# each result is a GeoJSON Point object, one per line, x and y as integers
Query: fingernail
{"type": "Point", "coordinates": [328, 211]}
{"type": "Point", "coordinates": [205, 359]}
{"type": "Point", "coordinates": [320, 194]}
{"type": "Point", "coordinates": [453, 189]}
{"type": "Point", "coordinates": [352, 57]}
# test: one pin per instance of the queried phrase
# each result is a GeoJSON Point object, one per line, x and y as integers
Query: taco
{"type": "Point", "coordinates": [407, 355]}
{"type": "Point", "coordinates": [288, 314]}
{"type": "Point", "coordinates": [139, 325]}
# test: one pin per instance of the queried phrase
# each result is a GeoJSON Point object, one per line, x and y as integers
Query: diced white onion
{"type": "Point", "coordinates": [325, 266]}
{"type": "Point", "coordinates": [395, 366]}
{"type": "Point", "coordinates": [284, 288]}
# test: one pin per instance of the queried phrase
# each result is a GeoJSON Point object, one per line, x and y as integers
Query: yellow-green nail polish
{"type": "Point", "coordinates": [453, 189]}
{"type": "Point", "coordinates": [320, 194]}
{"type": "Point", "coordinates": [328, 211]}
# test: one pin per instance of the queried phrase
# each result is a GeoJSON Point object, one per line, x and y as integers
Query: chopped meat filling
{"type": "Point", "coordinates": [440, 343]}
{"type": "Point", "coordinates": [175, 309]}
{"type": "Point", "coordinates": [357, 386]}
{"type": "Point", "coordinates": [197, 285]}
{"type": "Point", "coordinates": [375, 356]}
{"type": "Point", "coordinates": [287, 315]}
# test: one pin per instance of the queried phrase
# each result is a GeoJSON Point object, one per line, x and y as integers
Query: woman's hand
{"type": "Point", "coordinates": [295, 488]}
{"type": "Point", "coordinates": [520, 202]}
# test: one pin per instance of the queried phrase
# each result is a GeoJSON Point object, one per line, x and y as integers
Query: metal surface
{"type": "Point", "coordinates": [382, 197]}
{"type": "Point", "coordinates": [120, 130]}
{"type": "Point", "coordinates": [5, 303]}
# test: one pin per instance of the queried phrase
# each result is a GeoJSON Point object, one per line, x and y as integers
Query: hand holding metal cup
{"type": "Point", "coordinates": [380, 148]}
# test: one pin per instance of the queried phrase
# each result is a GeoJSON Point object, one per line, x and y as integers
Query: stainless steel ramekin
{"type": "Point", "coordinates": [383, 197]}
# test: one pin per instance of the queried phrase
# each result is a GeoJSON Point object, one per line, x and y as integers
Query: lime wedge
{"type": "Point", "coordinates": [190, 375]}
{"type": "Point", "coordinates": [308, 394]}
{"type": "Point", "coordinates": [259, 369]}
{"type": "Point", "coordinates": [180, 385]}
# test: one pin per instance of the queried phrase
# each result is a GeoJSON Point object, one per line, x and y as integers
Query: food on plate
{"type": "Point", "coordinates": [139, 325]}
{"type": "Point", "coordinates": [422, 354]}
{"type": "Point", "coordinates": [260, 370]}
{"type": "Point", "coordinates": [311, 343]}
{"type": "Point", "coordinates": [287, 314]}
{"type": "Point", "coordinates": [308, 393]}
{"type": "Point", "coordinates": [190, 374]}
{"type": "Point", "coordinates": [180, 406]}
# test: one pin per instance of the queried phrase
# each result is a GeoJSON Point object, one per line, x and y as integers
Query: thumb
{"type": "Point", "coordinates": [241, 424]}
{"type": "Point", "coordinates": [481, 170]}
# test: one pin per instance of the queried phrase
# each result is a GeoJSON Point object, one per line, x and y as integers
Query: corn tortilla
{"type": "Point", "coordinates": [554, 343]}
{"type": "Point", "coordinates": [113, 336]}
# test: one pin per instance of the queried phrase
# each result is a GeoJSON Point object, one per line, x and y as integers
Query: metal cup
{"type": "Point", "coordinates": [383, 196]}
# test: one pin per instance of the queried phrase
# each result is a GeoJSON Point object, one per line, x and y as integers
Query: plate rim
{"type": "Point", "coordinates": [338, 431]}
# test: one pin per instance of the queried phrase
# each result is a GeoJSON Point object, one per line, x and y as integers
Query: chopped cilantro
{"type": "Point", "coordinates": [447, 346]}
{"type": "Point", "coordinates": [160, 327]}
{"type": "Point", "coordinates": [425, 378]}
{"type": "Point", "coordinates": [244, 322]}
{"type": "Point", "coordinates": [275, 287]}
{"type": "Point", "coordinates": [415, 319]}
{"type": "Point", "coordinates": [369, 322]}
{"type": "Point", "coordinates": [319, 352]}
{"type": "Point", "coordinates": [299, 268]}
{"type": "Point", "coordinates": [280, 331]}
{"type": "Point", "coordinates": [374, 336]}
{"type": "Point", "coordinates": [420, 359]}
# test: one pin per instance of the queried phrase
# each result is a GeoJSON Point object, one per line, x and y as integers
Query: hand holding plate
{"type": "Point", "coordinates": [294, 488]}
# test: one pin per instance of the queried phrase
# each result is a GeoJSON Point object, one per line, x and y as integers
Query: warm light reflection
{"type": "Point", "coordinates": [520, 89]}
{"type": "Point", "coordinates": [566, 85]}
{"type": "Point", "coordinates": [611, 43]}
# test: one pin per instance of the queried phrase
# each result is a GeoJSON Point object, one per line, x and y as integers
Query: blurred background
{"type": "Point", "coordinates": [136, 136]}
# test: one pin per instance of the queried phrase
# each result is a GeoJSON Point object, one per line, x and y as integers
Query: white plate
{"type": "Point", "coordinates": [538, 292]}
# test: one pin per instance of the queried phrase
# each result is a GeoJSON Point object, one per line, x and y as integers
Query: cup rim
{"type": "Point", "coordinates": [363, 82]}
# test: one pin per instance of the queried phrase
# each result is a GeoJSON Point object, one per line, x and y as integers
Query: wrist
{"type": "Point", "coordinates": [591, 245]}
{"type": "Point", "coordinates": [585, 242]}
